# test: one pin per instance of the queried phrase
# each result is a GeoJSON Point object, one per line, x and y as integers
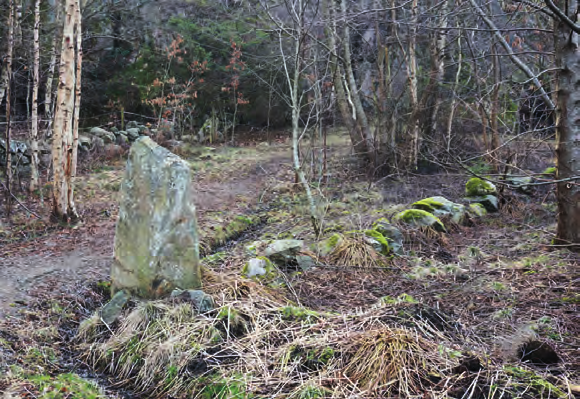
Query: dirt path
{"type": "Point", "coordinates": [63, 257]}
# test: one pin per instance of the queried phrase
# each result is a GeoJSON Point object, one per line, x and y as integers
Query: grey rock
{"type": "Point", "coordinates": [521, 183]}
{"type": "Point", "coordinates": [112, 310]}
{"type": "Point", "coordinates": [391, 233]}
{"type": "Point", "coordinates": [122, 139]}
{"type": "Point", "coordinates": [98, 143]}
{"type": "Point", "coordinates": [85, 141]}
{"type": "Point", "coordinates": [305, 262]}
{"type": "Point", "coordinates": [143, 130]}
{"type": "Point", "coordinates": [114, 130]}
{"type": "Point", "coordinates": [107, 136]}
{"type": "Point", "coordinates": [131, 125]}
{"type": "Point", "coordinates": [255, 267]}
{"type": "Point", "coordinates": [133, 133]}
{"type": "Point", "coordinates": [202, 301]}
{"type": "Point", "coordinates": [490, 202]}
{"type": "Point", "coordinates": [283, 251]}
{"type": "Point", "coordinates": [156, 238]}
{"type": "Point", "coordinates": [476, 210]}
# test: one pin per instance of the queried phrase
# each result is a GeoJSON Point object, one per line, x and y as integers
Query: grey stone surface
{"type": "Point", "coordinates": [156, 238]}
{"type": "Point", "coordinates": [490, 202]}
{"type": "Point", "coordinates": [283, 251]}
{"type": "Point", "coordinates": [202, 301]}
{"type": "Point", "coordinates": [391, 233]}
{"type": "Point", "coordinates": [133, 134]}
{"type": "Point", "coordinates": [112, 310]}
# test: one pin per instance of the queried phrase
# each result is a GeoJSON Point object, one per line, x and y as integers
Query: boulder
{"type": "Point", "coordinates": [156, 237]}
{"type": "Point", "coordinates": [420, 218]}
{"type": "Point", "coordinates": [441, 206]}
{"type": "Point", "coordinates": [477, 187]}
{"type": "Point", "coordinates": [131, 125]}
{"type": "Point", "coordinates": [391, 233]}
{"type": "Point", "coordinates": [133, 133]}
{"type": "Point", "coordinates": [490, 202]}
{"type": "Point", "coordinates": [107, 136]}
{"type": "Point", "coordinates": [377, 241]}
{"type": "Point", "coordinates": [114, 130]}
{"type": "Point", "coordinates": [283, 251]}
{"type": "Point", "coordinates": [256, 267]}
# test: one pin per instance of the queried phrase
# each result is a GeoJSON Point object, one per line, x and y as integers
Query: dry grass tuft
{"type": "Point", "coordinates": [391, 361]}
{"type": "Point", "coordinates": [354, 251]}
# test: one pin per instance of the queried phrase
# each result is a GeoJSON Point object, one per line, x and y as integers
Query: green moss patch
{"type": "Point", "coordinates": [476, 187]}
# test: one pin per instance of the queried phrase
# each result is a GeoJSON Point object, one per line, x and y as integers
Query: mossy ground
{"type": "Point", "coordinates": [449, 315]}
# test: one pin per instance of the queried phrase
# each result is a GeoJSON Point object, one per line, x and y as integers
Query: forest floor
{"type": "Point", "coordinates": [456, 316]}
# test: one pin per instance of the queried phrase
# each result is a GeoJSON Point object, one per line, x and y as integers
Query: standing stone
{"type": "Point", "coordinates": [156, 240]}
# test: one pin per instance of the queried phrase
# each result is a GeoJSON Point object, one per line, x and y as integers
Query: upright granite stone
{"type": "Point", "coordinates": [156, 240]}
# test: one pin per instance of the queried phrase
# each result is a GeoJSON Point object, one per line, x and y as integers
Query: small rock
{"type": "Point", "coordinates": [122, 139]}
{"type": "Point", "coordinates": [202, 301]}
{"type": "Point", "coordinates": [131, 125]}
{"type": "Point", "coordinates": [255, 267]}
{"type": "Point", "coordinates": [521, 184]}
{"type": "Point", "coordinates": [112, 310]}
{"type": "Point", "coordinates": [391, 233]}
{"type": "Point", "coordinates": [305, 262]}
{"type": "Point", "coordinates": [133, 133]}
{"type": "Point", "coordinates": [107, 137]}
{"type": "Point", "coordinates": [283, 251]}
{"type": "Point", "coordinates": [476, 210]}
{"type": "Point", "coordinates": [490, 202]}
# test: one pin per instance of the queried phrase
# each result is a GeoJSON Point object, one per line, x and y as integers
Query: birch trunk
{"type": "Point", "coordinates": [361, 116]}
{"type": "Point", "coordinates": [63, 151]}
{"type": "Point", "coordinates": [34, 175]}
{"type": "Point", "coordinates": [356, 138]}
{"type": "Point", "coordinates": [438, 63]}
{"type": "Point", "coordinates": [49, 93]}
{"type": "Point", "coordinates": [566, 44]}
{"type": "Point", "coordinates": [494, 145]}
{"type": "Point", "coordinates": [7, 83]}
{"type": "Point", "coordinates": [413, 124]}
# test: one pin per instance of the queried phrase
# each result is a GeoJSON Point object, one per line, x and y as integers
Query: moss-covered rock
{"type": "Point", "coordinates": [490, 202]}
{"type": "Point", "coordinates": [378, 241]}
{"type": "Point", "coordinates": [441, 206]}
{"type": "Point", "coordinates": [326, 246]}
{"type": "Point", "coordinates": [420, 218]}
{"type": "Point", "coordinates": [551, 171]}
{"type": "Point", "coordinates": [260, 267]}
{"type": "Point", "coordinates": [476, 210]}
{"type": "Point", "coordinates": [477, 187]}
{"type": "Point", "coordinates": [391, 233]}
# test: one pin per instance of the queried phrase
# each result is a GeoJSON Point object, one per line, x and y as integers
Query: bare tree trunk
{"type": "Point", "coordinates": [361, 116]}
{"type": "Point", "coordinates": [7, 84]}
{"type": "Point", "coordinates": [413, 125]}
{"type": "Point", "coordinates": [356, 138]}
{"type": "Point", "coordinates": [567, 49]}
{"type": "Point", "coordinates": [48, 95]}
{"type": "Point", "coordinates": [438, 63]}
{"type": "Point", "coordinates": [34, 176]}
{"type": "Point", "coordinates": [495, 110]}
{"type": "Point", "coordinates": [453, 92]}
{"type": "Point", "coordinates": [63, 151]}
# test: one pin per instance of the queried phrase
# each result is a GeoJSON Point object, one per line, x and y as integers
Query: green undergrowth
{"type": "Point", "coordinates": [219, 235]}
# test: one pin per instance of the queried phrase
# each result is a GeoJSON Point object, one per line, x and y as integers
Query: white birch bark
{"type": "Point", "coordinates": [34, 175]}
